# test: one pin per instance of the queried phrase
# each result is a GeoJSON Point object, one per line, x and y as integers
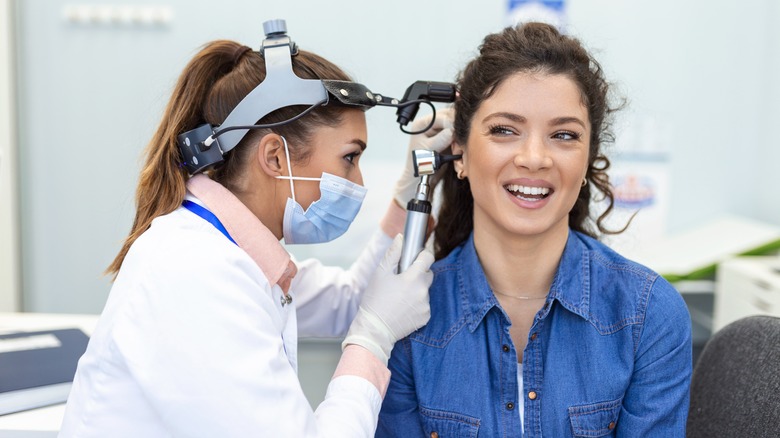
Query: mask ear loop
{"type": "Point", "coordinates": [289, 168]}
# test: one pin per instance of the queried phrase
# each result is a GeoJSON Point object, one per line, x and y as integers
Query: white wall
{"type": "Point", "coordinates": [769, 161]}
{"type": "Point", "coordinates": [10, 292]}
{"type": "Point", "coordinates": [703, 70]}
{"type": "Point", "coordinates": [89, 98]}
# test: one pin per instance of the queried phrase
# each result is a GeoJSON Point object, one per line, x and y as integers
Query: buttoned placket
{"type": "Point", "coordinates": [533, 372]}
{"type": "Point", "coordinates": [507, 360]}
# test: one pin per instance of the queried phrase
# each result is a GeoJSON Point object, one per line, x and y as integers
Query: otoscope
{"type": "Point", "coordinates": [426, 163]}
{"type": "Point", "coordinates": [418, 210]}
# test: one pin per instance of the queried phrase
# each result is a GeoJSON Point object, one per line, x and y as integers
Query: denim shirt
{"type": "Point", "coordinates": [609, 354]}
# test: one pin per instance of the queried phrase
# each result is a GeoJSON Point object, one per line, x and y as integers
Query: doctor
{"type": "Point", "coordinates": [198, 337]}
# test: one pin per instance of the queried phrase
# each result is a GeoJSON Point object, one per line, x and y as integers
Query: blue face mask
{"type": "Point", "coordinates": [327, 218]}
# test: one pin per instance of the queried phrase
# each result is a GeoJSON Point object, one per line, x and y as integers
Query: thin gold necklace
{"type": "Point", "coordinates": [517, 297]}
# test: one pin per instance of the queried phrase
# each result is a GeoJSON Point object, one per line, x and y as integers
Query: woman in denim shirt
{"type": "Point", "coordinates": [537, 328]}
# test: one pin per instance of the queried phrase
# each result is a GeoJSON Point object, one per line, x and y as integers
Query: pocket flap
{"type": "Point", "coordinates": [595, 419]}
{"type": "Point", "coordinates": [444, 424]}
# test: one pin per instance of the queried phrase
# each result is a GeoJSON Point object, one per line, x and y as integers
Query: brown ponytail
{"type": "Point", "coordinates": [220, 75]}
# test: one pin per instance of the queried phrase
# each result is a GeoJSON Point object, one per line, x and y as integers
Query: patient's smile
{"type": "Point", "coordinates": [528, 193]}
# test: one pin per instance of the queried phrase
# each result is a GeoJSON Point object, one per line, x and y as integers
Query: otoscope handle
{"type": "Point", "coordinates": [415, 230]}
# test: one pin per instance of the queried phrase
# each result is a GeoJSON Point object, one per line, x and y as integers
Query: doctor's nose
{"type": "Point", "coordinates": [357, 177]}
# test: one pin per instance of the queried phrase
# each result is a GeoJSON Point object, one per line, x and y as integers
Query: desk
{"type": "Point", "coordinates": [41, 422]}
{"type": "Point", "coordinates": [695, 254]}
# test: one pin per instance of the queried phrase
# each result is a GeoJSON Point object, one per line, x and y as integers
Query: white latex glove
{"type": "Point", "coordinates": [393, 305]}
{"type": "Point", "coordinates": [437, 138]}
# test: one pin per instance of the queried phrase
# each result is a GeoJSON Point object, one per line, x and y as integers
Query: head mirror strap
{"type": "Point", "coordinates": [280, 88]}
{"type": "Point", "coordinates": [350, 94]}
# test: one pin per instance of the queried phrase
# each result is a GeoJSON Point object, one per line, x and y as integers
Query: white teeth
{"type": "Point", "coordinates": [525, 190]}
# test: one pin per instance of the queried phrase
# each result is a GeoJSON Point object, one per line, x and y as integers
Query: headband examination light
{"type": "Point", "coordinates": [205, 146]}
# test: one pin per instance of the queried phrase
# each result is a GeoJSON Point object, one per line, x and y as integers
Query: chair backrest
{"type": "Point", "coordinates": [735, 388]}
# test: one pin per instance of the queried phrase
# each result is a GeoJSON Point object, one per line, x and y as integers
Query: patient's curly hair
{"type": "Point", "coordinates": [532, 48]}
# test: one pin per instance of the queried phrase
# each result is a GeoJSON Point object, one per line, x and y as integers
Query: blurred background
{"type": "Point", "coordinates": [82, 87]}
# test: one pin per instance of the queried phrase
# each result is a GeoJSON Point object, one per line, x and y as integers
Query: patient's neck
{"type": "Point", "coordinates": [522, 265]}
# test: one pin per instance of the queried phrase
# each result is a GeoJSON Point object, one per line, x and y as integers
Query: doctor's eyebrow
{"type": "Point", "coordinates": [360, 143]}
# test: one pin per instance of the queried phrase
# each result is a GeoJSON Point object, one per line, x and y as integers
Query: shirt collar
{"type": "Point", "coordinates": [570, 287]}
{"type": "Point", "coordinates": [476, 295]}
{"type": "Point", "coordinates": [246, 229]}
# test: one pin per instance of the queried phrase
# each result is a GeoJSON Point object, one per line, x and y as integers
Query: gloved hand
{"type": "Point", "coordinates": [393, 305]}
{"type": "Point", "coordinates": [437, 138]}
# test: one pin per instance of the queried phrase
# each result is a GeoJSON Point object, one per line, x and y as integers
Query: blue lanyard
{"type": "Point", "coordinates": [207, 215]}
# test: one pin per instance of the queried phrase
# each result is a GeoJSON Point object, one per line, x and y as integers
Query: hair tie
{"type": "Point", "coordinates": [240, 50]}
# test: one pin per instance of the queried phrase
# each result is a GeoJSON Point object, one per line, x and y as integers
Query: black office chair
{"type": "Point", "coordinates": [735, 388]}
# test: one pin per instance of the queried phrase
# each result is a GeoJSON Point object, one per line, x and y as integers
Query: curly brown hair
{"type": "Point", "coordinates": [533, 48]}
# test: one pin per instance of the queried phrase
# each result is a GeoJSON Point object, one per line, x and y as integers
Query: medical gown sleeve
{"type": "Point", "coordinates": [328, 297]}
{"type": "Point", "coordinates": [204, 344]}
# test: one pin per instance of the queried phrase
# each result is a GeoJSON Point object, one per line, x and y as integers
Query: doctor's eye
{"type": "Point", "coordinates": [352, 156]}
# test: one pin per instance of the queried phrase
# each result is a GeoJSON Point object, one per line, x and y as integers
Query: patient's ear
{"type": "Point", "coordinates": [457, 149]}
{"type": "Point", "coordinates": [271, 155]}
{"type": "Point", "coordinates": [460, 164]}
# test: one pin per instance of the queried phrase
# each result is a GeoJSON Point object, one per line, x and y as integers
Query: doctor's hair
{"type": "Point", "coordinates": [217, 78]}
{"type": "Point", "coordinates": [528, 48]}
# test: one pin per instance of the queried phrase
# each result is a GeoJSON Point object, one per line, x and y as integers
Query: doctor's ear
{"type": "Point", "coordinates": [271, 155]}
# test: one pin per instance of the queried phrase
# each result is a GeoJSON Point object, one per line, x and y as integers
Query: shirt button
{"type": "Point", "coordinates": [510, 406]}
{"type": "Point", "coordinates": [505, 348]}
{"type": "Point", "coordinates": [533, 336]}
{"type": "Point", "coordinates": [532, 395]}
{"type": "Point", "coordinates": [434, 434]}
{"type": "Point", "coordinates": [611, 425]}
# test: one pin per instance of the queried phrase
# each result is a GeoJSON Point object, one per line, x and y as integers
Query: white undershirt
{"type": "Point", "coordinates": [520, 399]}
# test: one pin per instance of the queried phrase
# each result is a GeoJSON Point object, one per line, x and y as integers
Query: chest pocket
{"type": "Point", "coordinates": [443, 424]}
{"type": "Point", "coordinates": [595, 420]}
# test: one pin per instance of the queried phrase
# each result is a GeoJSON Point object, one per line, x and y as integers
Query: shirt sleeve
{"type": "Point", "coordinates": [203, 343]}
{"type": "Point", "coordinates": [400, 415]}
{"type": "Point", "coordinates": [656, 402]}
{"type": "Point", "coordinates": [327, 297]}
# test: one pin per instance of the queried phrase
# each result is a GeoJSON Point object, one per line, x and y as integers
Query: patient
{"type": "Point", "coordinates": [536, 327]}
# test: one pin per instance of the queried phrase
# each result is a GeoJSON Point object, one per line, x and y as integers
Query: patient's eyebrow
{"type": "Point", "coordinates": [511, 116]}
{"type": "Point", "coordinates": [564, 120]}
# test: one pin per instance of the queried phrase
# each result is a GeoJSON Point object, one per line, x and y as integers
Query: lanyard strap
{"type": "Point", "coordinates": [208, 216]}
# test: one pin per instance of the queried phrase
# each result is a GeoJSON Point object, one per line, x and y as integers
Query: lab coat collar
{"type": "Point", "coordinates": [246, 229]}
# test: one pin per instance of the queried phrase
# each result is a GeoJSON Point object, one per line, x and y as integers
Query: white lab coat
{"type": "Point", "coordinates": [194, 342]}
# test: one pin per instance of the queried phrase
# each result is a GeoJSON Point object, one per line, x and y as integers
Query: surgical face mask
{"type": "Point", "coordinates": [327, 218]}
